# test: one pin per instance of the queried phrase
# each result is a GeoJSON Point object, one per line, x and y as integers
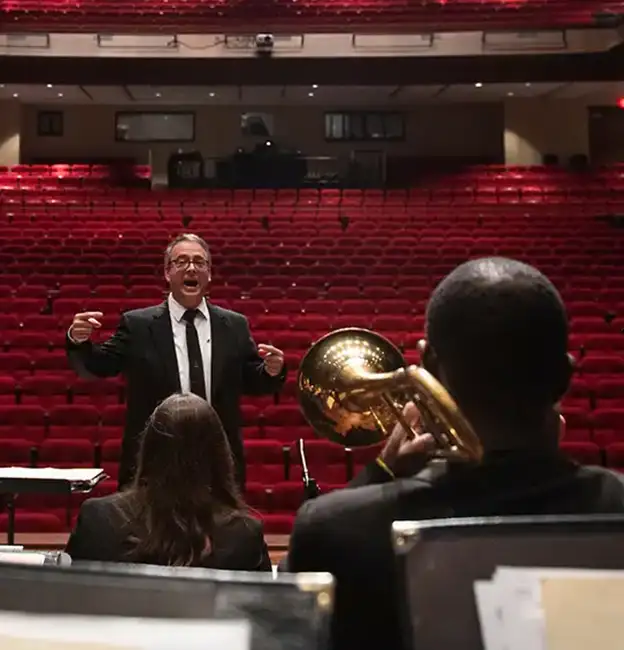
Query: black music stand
{"type": "Point", "coordinates": [291, 612]}
{"type": "Point", "coordinates": [440, 560]}
{"type": "Point", "coordinates": [310, 487]}
{"type": "Point", "coordinates": [43, 480]}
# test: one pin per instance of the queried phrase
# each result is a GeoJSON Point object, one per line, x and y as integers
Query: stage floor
{"type": "Point", "coordinates": [278, 544]}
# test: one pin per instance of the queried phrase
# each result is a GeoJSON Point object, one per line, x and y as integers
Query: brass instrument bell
{"type": "Point", "coordinates": [352, 387]}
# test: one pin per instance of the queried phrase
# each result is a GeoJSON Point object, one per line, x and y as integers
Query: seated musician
{"type": "Point", "coordinates": [183, 507]}
{"type": "Point", "coordinates": [497, 337]}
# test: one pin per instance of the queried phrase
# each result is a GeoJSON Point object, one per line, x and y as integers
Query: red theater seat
{"type": "Point", "coordinates": [16, 452]}
{"type": "Point", "coordinates": [7, 390]}
{"type": "Point", "coordinates": [33, 522]}
{"type": "Point", "coordinates": [285, 423]}
{"type": "Point", "coordinates": [265, 461]}
{"type": "Point", "coordinates": [66, 453]}
{"type": "Point", "coordinates": [22, 423]}
{"type": "Point", "coordinates": [74, 421]}
{"type": "Point", "coordinates": [608, 425]}
{"type": "Point", "coordinates": [46, 390]}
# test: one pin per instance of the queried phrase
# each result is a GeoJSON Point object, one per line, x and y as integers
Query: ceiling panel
{"type": "Point", "coordinates": [107, 94]}
{"type": "Point", "coordinates": [45, 94]}
{"type": "Point", "coordinates": [177, 94]}
{"type": "Point", "coordinates": [591, 90]}
{"type": "Point", "coordinates": [406, 93]}
{"type": "Point", "coordinates": [261, 95]}
{"type": "Point", "coordinates": [489, 92]}
{"type": "Point", "coordinates": [333, 97]}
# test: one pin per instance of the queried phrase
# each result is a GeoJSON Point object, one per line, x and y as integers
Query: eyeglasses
{"type": "Point", "coordinates": [200, 263]}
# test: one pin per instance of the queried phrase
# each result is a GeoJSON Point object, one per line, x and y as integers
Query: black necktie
{"type": "Point", "coordinates": [196, 366]}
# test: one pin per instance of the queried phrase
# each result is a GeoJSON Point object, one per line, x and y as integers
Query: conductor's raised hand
{"type": "Point", "coordinates": [404, 453]}
{"type": "Point", "coordinates": [83, 325]}
{"type": "Point", "coordinates": [273, 359]}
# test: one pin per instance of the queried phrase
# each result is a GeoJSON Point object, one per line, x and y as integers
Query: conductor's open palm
{"type": "Point", "coordinates": [83, 325]}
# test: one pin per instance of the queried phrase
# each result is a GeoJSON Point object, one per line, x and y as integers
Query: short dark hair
{"type": "Point", "coordinates": [499, 329]}
{"type": "Point", "coordinates": [187, 236]}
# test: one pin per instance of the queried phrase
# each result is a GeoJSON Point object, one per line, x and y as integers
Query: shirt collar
{"type": "Point", "coordinates": [178, 311]}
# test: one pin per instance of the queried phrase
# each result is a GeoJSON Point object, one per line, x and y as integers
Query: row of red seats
{"type": "Point", "coordinates": [24, 362]}
{"type": "Point", "coordinates": [42, 204]}
{"type": "Point", "coordinates": [193, 15]}
{"type": "Point", "coordinates": [78, 171]}
{"type": "Point", "coordinates": [469, 177]}
{"type": "Point", "coordinates": [460, 194]}
{"type": "Point", "coordinates": [78, 434]}
{"type": "Point", "coordinates": [49, 390]}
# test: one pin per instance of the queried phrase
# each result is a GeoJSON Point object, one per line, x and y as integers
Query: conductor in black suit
{"type": "Point", "coordinates": [185, 344]}
{"type": "Point", "coordinates": [497, 336]}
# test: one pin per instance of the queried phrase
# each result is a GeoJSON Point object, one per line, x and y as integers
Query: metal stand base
{"type": "Point", "coordinates": [11, 522]}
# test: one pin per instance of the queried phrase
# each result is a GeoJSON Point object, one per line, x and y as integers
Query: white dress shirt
{"type": "Point", "coordinates": [204, 333]}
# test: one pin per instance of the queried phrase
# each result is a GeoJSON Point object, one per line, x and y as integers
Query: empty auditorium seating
{"type": "Point", "coordinates": [328, 15]}
{"type": "Point", "coordinates": [73, 245]}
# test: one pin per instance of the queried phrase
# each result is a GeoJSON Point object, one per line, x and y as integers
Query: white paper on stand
{"type": "Point", "coordinates": [12, 557]}
{"type": "Point", "coordinates": [75, 474]}
{"type": "Point", "coordinates": [20, 631]}
{"type": "Point", "coordinates": [490, 615]}
{"type": "Point", "coordinates": [511, 608]}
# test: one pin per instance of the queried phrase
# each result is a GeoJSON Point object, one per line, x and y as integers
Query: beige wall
{"type": "Point", "coordinates": [521, 130]}
{"type": "Point", "coordinates": [534, 127]}
{"type": "Point", "coordinates": [10, 127]}
{"type": "Point", "coordinates": [431, 130]}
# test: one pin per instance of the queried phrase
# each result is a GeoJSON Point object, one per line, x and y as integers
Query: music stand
{"type": "Point", "coordinates": [43, 480]}
{"type": "Point", "coordinates": [288, 613]}
{"type": "Point", "coordinates": [439, 560]}
{"type": "Point", "coordinates": [17, 555]}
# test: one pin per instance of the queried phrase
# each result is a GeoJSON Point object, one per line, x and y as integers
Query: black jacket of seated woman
{"type": "Point", "coordinates": [183, 507]}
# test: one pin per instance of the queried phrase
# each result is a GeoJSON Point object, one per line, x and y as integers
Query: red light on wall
{"type": "Point", "coordinates": [620, 102]}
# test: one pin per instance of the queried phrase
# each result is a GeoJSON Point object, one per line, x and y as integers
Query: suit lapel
{"type": "Point", "coordinates": [163, 340]}
{"type": "Point", "coordinates": [219, 326]}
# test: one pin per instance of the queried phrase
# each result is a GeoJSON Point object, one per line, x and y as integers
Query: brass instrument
{"type": "Point", "coordinates": [354, 383]}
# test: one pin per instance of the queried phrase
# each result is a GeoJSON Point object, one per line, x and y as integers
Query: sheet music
{"type": "Point", "coordinates": [19, 631]}
{"type": "Point", "coordinates": [514, 615]}
{"type": "Point", "coordinates": [490, 615]}
{"type": "Point", "coordinates": [77, 474]}
{"type": "Point", "coordinates": [15, 557]}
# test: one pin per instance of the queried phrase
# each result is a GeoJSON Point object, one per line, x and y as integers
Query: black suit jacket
{"type": "Point", "coordinates": [142, 349]}
{"type": "Point", "coordinates": [347, 532]}
{"type": "Point", "coordinates": [101, 532]}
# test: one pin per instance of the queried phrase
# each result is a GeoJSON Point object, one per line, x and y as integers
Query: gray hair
{"type": "Point", "coordinates": [188, 236]}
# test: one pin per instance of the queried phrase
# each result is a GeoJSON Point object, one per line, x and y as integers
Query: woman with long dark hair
{"type": "Point", "coordinates": [183, 507]}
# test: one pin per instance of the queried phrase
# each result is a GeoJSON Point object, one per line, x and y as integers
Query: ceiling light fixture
{"type": "Point", "coordinates": [315, 86]}
{"type": "Point", "coordinates": [528, 84]}
{"type": "Point", "coordinates": [158, 95]}
{"type": "Point", "coordinates": [15, 95]}
{"type": "Point", "coordinates": [212, 94]}
{"type": "Point", "coordinates": [310, 94]}
{"type": "Point", "coordinates": [478, 84]}
{"type": "Point", "coordinates": [49, 86]}
{"type": "Point", "coordinates": [59, 94]}
{"type": "Point", "coordinates": [510, 94]}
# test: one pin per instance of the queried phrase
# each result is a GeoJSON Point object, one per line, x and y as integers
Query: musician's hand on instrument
{"type": "Point", "coordinates": [273, 359]}
{"type": "Point", "coordinates": [83, 325]}
{"type": "Point", "coordinates": [403, 453]}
